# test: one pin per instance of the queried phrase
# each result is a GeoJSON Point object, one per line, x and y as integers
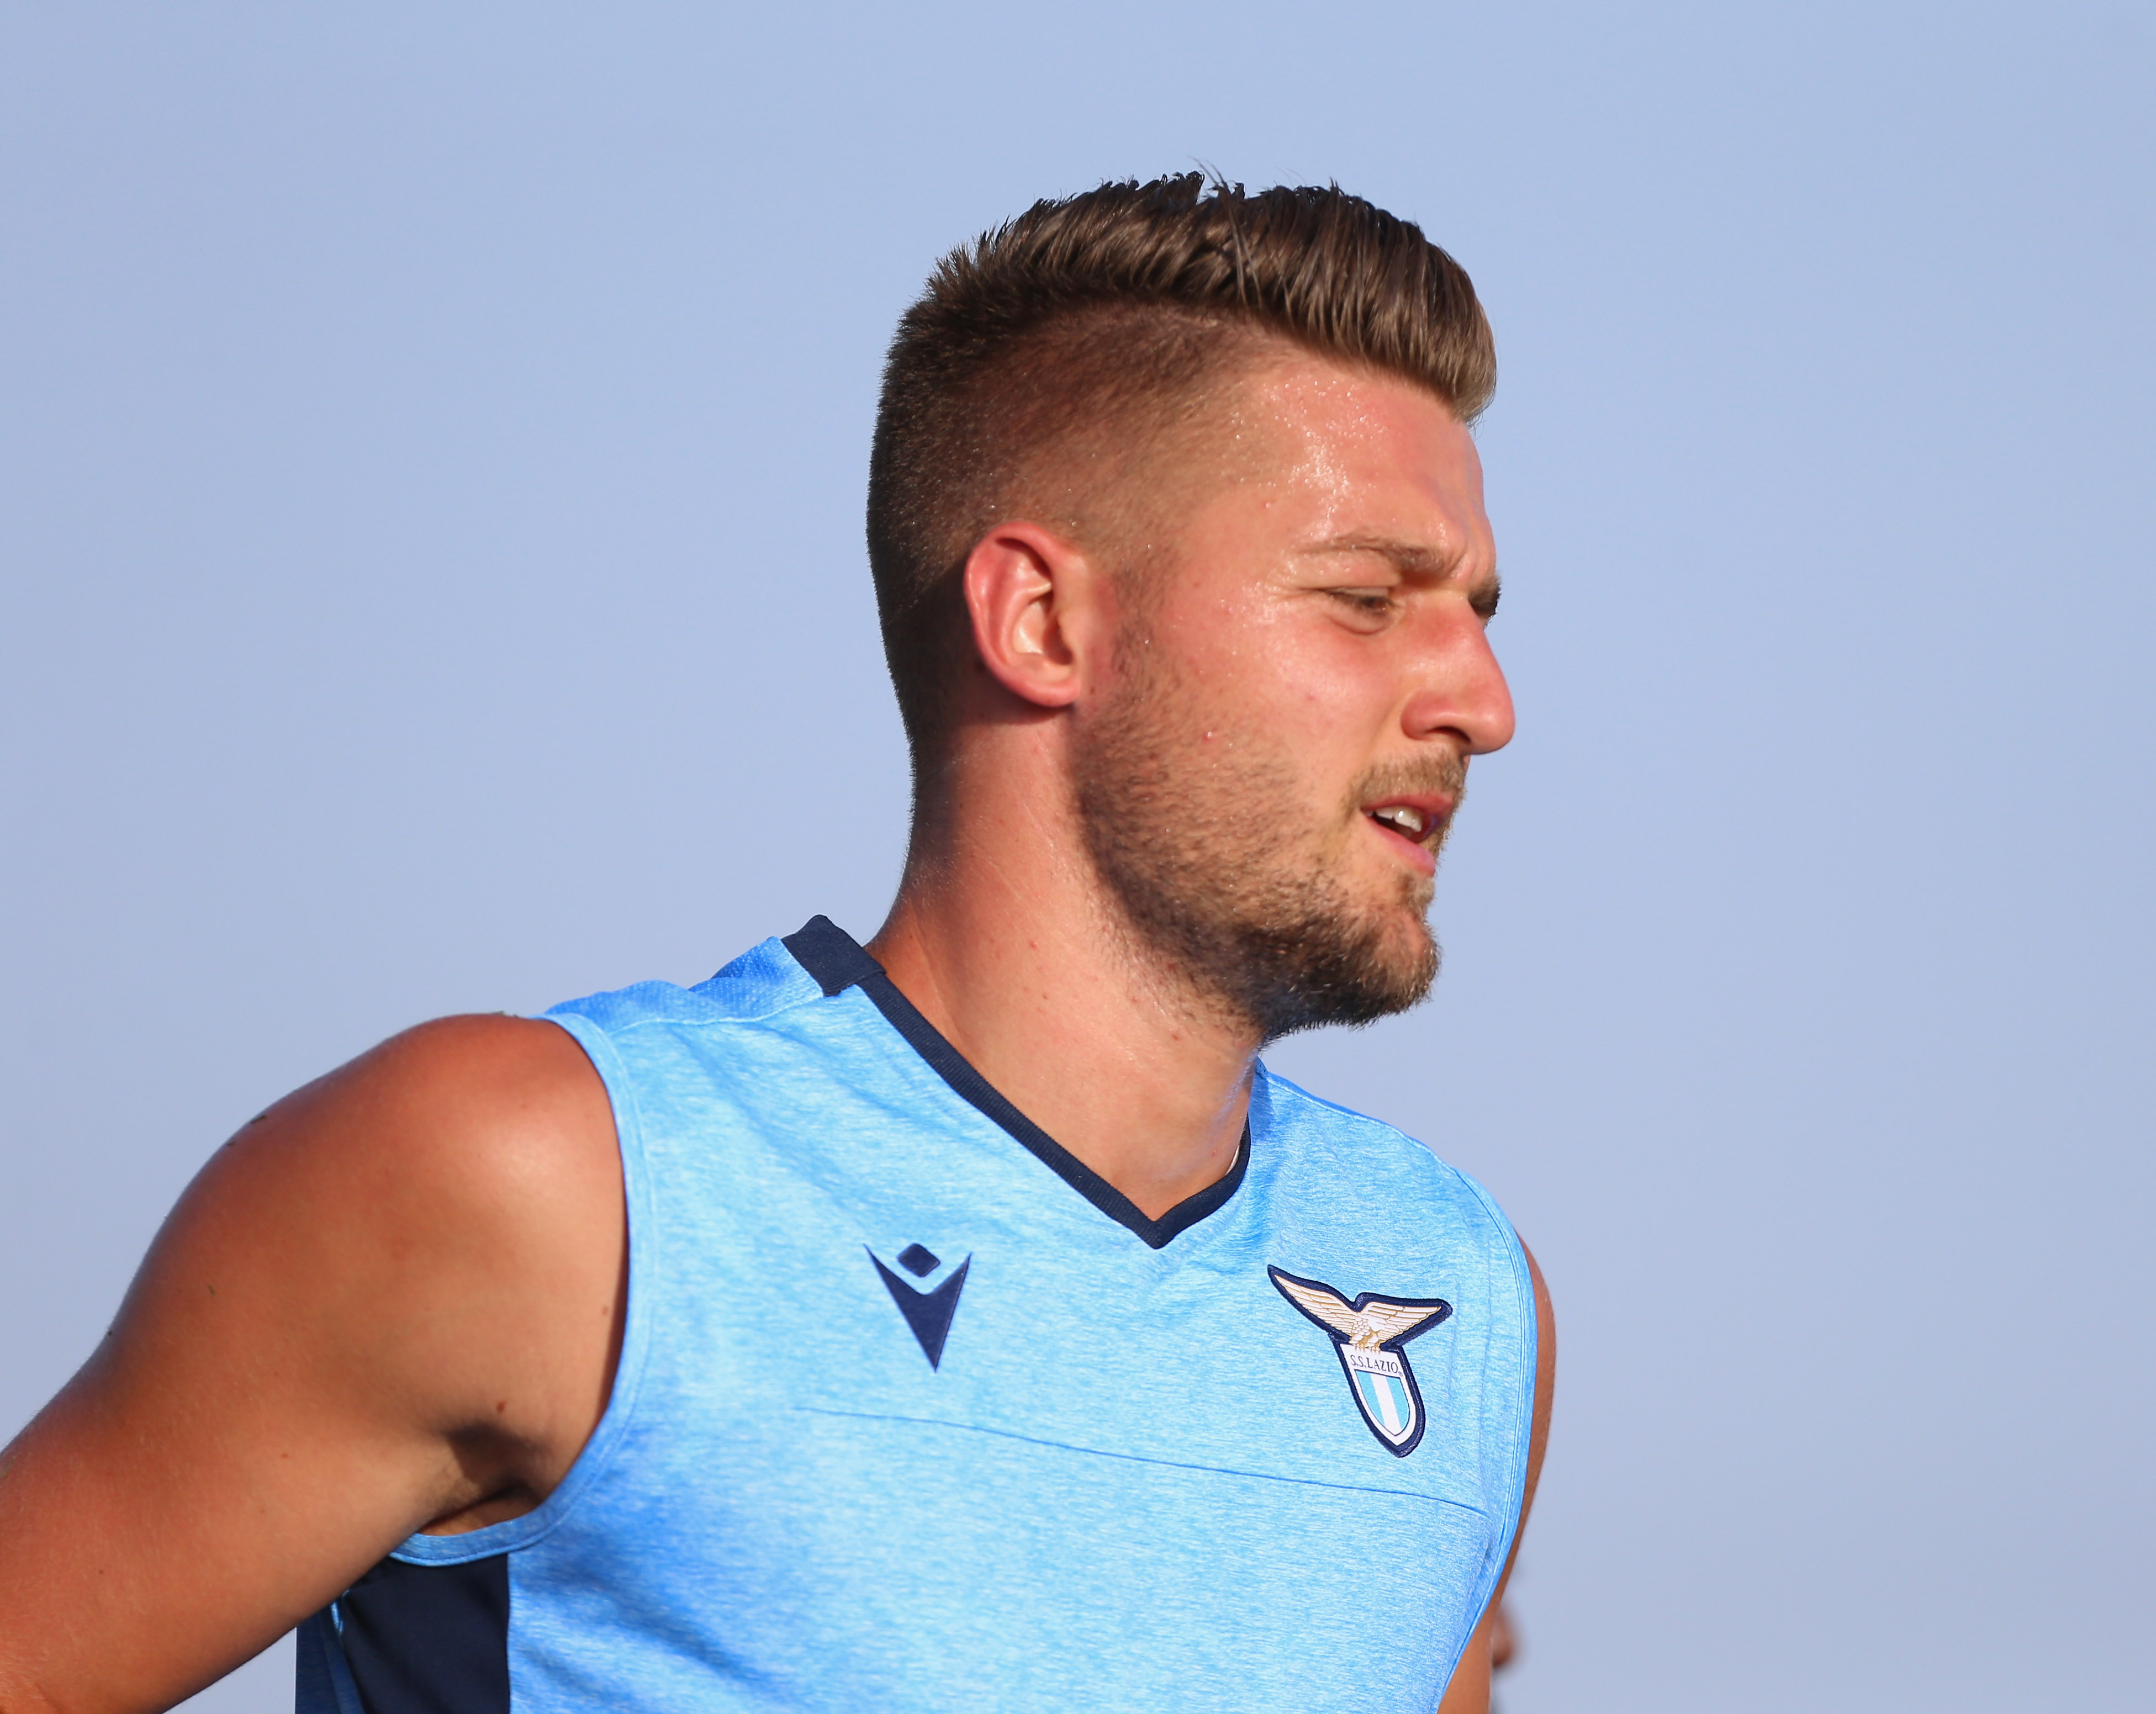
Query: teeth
{"type": "Point", "coordinates": [1408, 821]}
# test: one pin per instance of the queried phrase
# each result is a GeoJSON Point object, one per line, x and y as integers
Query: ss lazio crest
{"type": "Point", "coordinates": [1367, 1335]}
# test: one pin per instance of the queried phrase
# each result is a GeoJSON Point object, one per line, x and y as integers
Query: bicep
{"type": "Point", "coordinates": [1545, 1396]}
{"type": "Point", "coordinates": [1539, 1421]}
{"type": "Point", "coordinates": [286, 1393]}
{"type": "Point", "coordinates": [1469, 1690]}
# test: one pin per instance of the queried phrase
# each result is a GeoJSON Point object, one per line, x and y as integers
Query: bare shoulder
{"type": "Point", "coordinates": [434, 1204]}
{"type": "Point", "coordinates": [458, 1080]}
{"type": "Point", "coordinates": [391, 1302]}
{"type": "Point", "coordinates": [480, 1118]}
{"type": "Point", "coordinates": [476, 1140]}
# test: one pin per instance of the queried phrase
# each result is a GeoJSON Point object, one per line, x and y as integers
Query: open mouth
{"type": "Point", "coordinates": [1409, 823]}
{"type": "Point", "coordinates": [1419, 823]}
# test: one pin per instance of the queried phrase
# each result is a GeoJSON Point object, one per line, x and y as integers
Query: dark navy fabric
{"type": "Point", "coordinates": [838, 962]}
{"type": "Point", "coordinates": [417, 1640]}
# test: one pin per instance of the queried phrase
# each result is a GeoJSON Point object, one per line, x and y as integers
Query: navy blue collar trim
{"type": "Point", "coordinates": [837, 961]}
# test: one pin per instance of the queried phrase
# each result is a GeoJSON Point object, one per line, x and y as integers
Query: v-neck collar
{"type": "Point", "coordinates": [838, 962]}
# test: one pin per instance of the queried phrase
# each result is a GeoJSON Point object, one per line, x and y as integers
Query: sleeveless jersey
{"type": "Point", "coordinates": [915, 1412]}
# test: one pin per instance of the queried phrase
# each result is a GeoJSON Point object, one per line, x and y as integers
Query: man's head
{"type": "Point", "coordinates": [1238, 422]}
{"type": "Point", "coordinates": [1056, 367]}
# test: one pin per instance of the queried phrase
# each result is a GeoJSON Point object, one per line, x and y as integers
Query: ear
{"type": "Point", "coordinates": [1036, 602]}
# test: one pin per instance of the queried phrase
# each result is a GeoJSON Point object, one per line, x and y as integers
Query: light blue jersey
{"type": "Point", "coordinates": [914, 1412]}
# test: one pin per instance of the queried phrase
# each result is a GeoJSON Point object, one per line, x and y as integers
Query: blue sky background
{"type": "Point", "coordinates": [431, 449]}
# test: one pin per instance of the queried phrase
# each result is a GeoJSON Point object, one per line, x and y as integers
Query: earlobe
{"type": "Point", "coordinates": [1026, 590]}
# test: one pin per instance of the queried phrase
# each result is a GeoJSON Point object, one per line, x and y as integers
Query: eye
{"type": "Point", "coordinates": [1370, 606]}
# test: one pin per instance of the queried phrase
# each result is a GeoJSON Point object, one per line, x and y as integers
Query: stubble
{"type": "Point", "coordinates": [1218, 869]}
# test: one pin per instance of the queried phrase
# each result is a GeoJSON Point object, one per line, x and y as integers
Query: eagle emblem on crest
{"type": "Point", "coordinates": [1367, 1335]}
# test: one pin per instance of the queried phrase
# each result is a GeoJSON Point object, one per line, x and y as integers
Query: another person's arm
{"type": "Point", "coordinates": [392, 1300]}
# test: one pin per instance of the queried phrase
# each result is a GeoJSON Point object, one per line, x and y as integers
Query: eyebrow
{"type": "Point", "coordinates": [1413, 560]}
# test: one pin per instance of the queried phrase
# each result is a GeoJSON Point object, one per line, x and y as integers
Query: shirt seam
{"type": "Point", "coordinates": [1216, 1469]}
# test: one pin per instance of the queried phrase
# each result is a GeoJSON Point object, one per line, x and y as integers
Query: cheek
{"type": "Point", "coordinates": [1242, 696]}
{"type": "Point", "coordinates": [1241, 649]}
{"type": "Point", "coordinates": [1261, 726]}
{"type": "Point", "coordinates": [1326, 689]}
{"type": "Point", "coordinates": [1249, 676]}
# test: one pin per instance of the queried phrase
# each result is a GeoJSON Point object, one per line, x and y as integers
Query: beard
{"type": "Point", "coordinates": [1254, 915]}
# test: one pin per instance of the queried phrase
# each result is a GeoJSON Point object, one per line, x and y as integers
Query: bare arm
{"type": "Point", "coordinates": [1469, 1692]}
{"type": "Point", "coordinates": [391, 1301]}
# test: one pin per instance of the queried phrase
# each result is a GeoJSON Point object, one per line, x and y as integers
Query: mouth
{"type": "Point", "coordinates": [1412, 825]}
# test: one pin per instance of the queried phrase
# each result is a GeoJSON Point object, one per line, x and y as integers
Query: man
{"type": "Point", "coordinates": [968, 1320]}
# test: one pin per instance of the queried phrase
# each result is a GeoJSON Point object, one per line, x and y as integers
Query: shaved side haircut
{"type": "Point", "coordinates": [1048, 366]}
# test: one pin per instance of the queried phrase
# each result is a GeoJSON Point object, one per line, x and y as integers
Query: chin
{"type": "Point", "coordinates": [1339, 969]}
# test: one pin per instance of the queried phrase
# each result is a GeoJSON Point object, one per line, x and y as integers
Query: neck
{"type": "Point", "coordinates": [1004, 938]}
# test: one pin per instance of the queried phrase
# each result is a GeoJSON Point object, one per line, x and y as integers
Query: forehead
{"type": "Point", "coordinates": [1340, 450]}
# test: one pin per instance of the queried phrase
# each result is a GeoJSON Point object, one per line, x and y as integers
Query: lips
{"type": "Point", "coordinates": [1417, 820]}
{"type": "Point", "coordinates": [1413, 826]}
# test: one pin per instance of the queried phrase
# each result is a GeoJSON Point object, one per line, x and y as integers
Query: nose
{"type": "Point", "coordinates": [1461, 691]}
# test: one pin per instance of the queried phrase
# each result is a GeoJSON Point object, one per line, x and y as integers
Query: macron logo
{"type": "Point", "coordinates": [927, 1312]}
